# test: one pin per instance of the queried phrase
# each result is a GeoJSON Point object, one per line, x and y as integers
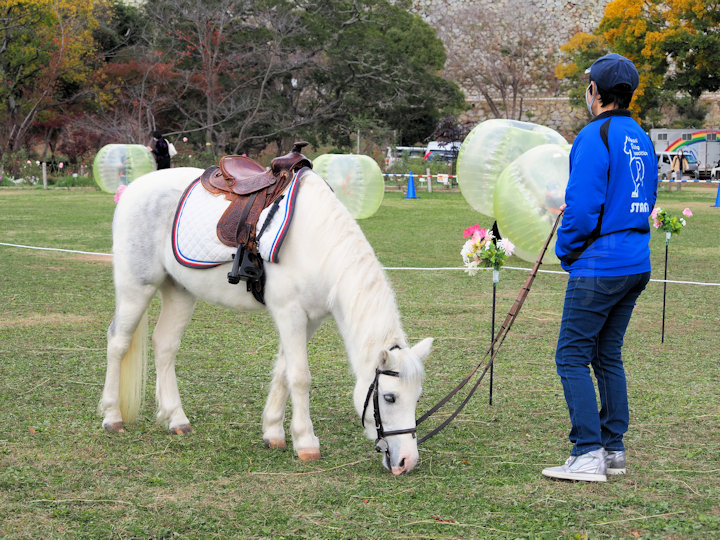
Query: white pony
{"type": "Point", "coordinates": [326, 267]}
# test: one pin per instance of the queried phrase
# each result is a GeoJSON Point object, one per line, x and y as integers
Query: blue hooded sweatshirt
{"type": "Point", "coordinates": [611, 191]}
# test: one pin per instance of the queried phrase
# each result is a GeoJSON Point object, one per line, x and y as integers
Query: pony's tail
{"type": "Point", "coordinates": [133, 373]}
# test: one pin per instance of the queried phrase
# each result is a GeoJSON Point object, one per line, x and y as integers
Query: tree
{"type": "Point", "coordinates": [494, 52]}
{"type": "Point", "coordinates": [376, 61]}
{"type": "Point", "coordinates": [249, 73]}
{"type": "Point", "coordinates": [44, 70]}
{"type": "Point", "coordinates": [674, 44]}
{"type": "Point", "coordinates": [691, 39]}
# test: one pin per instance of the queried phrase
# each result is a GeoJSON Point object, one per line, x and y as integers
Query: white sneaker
{"type": "Point", "coordinates": [615, 462]}
{"type": "Point", "coordinates": [589, 467]}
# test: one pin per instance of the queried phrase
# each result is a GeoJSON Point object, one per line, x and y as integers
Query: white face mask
{"type": "Point", "coordinates": [590, 103]}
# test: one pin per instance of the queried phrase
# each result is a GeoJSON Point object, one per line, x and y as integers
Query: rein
{"type": "Point", "coordinates": [492, 349]}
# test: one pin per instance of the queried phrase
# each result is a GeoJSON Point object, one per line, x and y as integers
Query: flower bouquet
{"type": "Point", "coordinates": [481, 249]}
{"type": "Point", "coordinates": [663, 221]}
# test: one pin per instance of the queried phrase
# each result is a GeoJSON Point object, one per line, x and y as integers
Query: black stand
{"type": "Point", "coordinates": [492, 337]}
{"type": "Point", "coordinates": [662, 336]}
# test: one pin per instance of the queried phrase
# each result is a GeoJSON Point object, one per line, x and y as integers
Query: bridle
{"type": "Point", "coordinates": [381, 445]}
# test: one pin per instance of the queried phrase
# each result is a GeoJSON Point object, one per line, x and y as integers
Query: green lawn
{"type": "Point", "coordinates": [61, 475]}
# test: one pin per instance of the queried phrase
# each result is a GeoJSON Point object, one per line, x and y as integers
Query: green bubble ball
{"type": "Point", "coordinates": [356, 179]}
{"type": "Point", "coordinates": [488, 149]}
{"type": "Point", "coordinates": [120, 164]}
{"type": "Point", "coordinates": [528, 196]}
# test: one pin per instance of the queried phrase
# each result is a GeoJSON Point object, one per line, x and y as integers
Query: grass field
{"type": "Point", "coordinates": [61, 475]}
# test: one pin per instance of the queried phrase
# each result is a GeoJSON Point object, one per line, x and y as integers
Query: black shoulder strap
{"type": "Point", "coordinates": [573, 256]}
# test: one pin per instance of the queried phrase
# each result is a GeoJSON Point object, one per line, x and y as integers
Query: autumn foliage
{"type": "Point", "coordinates": [673, 43]}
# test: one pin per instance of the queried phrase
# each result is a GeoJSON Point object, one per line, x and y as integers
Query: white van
{"type": "Point", "coordinates": [442, 150]}
{"type": "Point", "coordinates": [665, 160]}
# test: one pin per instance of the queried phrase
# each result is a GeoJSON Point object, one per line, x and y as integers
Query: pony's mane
{"type": "Point", "coordinates": [361, 294]}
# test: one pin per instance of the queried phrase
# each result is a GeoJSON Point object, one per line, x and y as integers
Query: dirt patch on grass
{"type": "Point", "coordinates": [90, 258]}
{"type": "Point", "coordinates": [37, 319]}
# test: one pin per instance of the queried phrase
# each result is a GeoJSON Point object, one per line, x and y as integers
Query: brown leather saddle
{"type": "Point", "coordinates": [250, 188]}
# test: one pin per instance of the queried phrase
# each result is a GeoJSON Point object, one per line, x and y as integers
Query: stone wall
{"type": "Point", "coordinates": [556, 20]}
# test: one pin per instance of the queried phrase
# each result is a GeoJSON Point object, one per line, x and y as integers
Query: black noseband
{"type": "Point", "coordinates": [381, 444]}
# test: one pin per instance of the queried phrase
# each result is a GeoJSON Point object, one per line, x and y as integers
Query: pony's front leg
{"type": "Point", "coordinates": [274, 413]}
{"type": "Point", "coordinates": [292, 323]}
{"type": "Point", "coordinates": [176, 311]}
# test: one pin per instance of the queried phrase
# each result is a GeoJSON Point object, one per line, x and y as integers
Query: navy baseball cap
{"type": "Point", "coordinates": [612, 70]}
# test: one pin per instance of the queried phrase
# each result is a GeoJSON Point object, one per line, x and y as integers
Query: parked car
{"type": "Point", "coordinates": [665, 160]}
{"type": "Point", "coordinates": [441, 150]}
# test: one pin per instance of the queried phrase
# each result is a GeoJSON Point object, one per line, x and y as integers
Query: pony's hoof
{"type": "Point", "coordinates": [181, 430]}
{"type": "Point", "coordinates": [308, 454]}
{"type": "Point", "coordinates": [278, 444]}
{"type": "Point", "coordinates": [114, 427]}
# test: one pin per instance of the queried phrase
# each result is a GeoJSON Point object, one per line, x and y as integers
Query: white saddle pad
{"type": "Point", "coordinates": [194, 235]}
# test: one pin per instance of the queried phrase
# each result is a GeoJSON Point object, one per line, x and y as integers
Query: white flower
{"type": "Point", "coordinates": [471, 267]}
{"type": "Point", "coordinates": [467, 251]}
{"type": "Point", "coordinates": [506, 245]}
{"type": "Point", "coordinates": [682, 220]}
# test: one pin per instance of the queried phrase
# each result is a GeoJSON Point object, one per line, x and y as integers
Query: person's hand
{"type": "Point", "coordinates": [563, 207]}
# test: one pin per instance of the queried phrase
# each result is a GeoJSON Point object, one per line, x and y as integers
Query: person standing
{"type": "Point", "coordinates": [603, 243]}
{"type": "Point", "coordinates": [161, 151]}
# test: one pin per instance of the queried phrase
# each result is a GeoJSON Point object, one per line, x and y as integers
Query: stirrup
{"type": "Point", "coordinates": [244, 267]}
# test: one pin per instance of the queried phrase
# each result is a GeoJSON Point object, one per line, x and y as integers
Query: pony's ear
{"type": "Point", "coordinates": [384, 357]}
{"type": "Point", "coordinates": [422, 349]}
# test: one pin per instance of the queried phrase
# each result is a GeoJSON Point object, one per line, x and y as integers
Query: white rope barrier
{"type": "Point", "coordinates": [452, 177]}
{"type": "Point", "coordinates": [393, 268]}
{"type": "Point", "coordinates": [407, 175]}
{"type": "Point", "coordinates": [540, 272]}
{"type": "Point", "coordinates": [690, 181]}
{"type": "Point", "coordinates": [58, 249]}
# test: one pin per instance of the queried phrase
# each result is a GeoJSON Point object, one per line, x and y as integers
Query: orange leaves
{"type": "Point", "coordinates": [623, 9]}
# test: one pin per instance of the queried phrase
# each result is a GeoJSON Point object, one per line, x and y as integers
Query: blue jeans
{"type": "Point", "coordinates": [595, 316]}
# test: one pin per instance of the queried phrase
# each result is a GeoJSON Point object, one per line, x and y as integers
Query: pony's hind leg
{"type": "Point", "coordinates": [177, 308]}
{"type": "Point", "coordinates": [126, 358]}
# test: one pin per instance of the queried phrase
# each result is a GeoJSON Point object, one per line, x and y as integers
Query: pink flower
{"type": "Point", "coordinates": [61, 165]}
{"type": "Point", "coordinates": [655, 212]}
{"type": "Point", "coordinates": [687, 212]}
{"type": "Point", "coordinates": [119, 192]}
{"type": "Point", "coordinates": [184, 139]}
{"type": "Point", "coordinates": [470, 230]}
{"type": "Point", "coordinates": [479, 235]}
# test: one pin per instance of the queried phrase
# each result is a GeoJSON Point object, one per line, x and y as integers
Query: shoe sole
{"type": "Point", "coordinates": [619, 470]}
{"type": "Point", "coordinates": [581, 477]}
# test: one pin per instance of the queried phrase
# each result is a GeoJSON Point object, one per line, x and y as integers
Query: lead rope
{"type": "Point", "coordinates": [492, 349]}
